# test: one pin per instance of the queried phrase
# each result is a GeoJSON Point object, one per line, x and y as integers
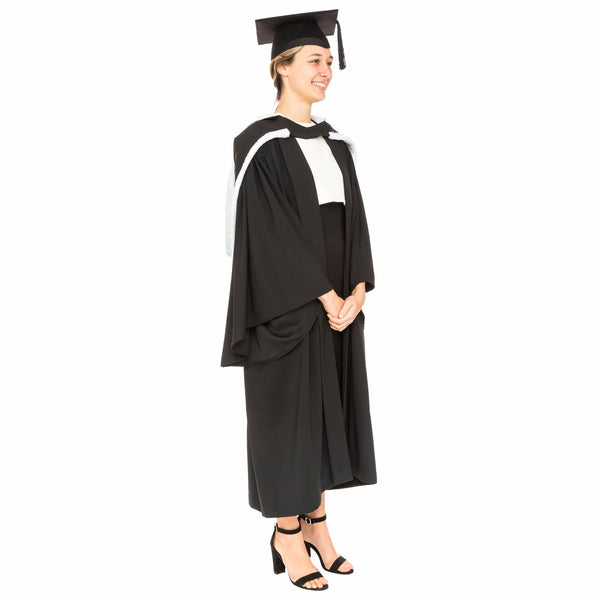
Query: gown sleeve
{"type": "Point", "coordinates": [361, 261]}
{"type": "Point", "coordinates": [276, 278]}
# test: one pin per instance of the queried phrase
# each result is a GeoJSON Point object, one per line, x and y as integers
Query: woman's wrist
{"type": "Point", "coordinates": [359, 287]}
{"type": "Point", "coordinates": [329, 295]}
{"type": "Point", "coordinates": [359, 294]}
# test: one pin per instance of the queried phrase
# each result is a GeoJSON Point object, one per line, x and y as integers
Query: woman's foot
{"type": "Point", "coordinates": [295, 558]}
{"type": "Point", "coordinates": [318, 535]}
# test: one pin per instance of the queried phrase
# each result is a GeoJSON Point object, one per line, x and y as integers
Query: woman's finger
{"type": "Point", "coordinates": [340, 324]}
{"type": "Point", "coordinates": [349, 315]}
{"type": "Point", "coordinates": [345, 320]}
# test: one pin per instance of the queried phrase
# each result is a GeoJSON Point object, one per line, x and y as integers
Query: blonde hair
{"type": "Point", "coordinates": [284, 58]}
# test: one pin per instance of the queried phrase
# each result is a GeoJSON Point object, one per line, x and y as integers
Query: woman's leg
{"type": "Point", "coordinates": [293, 553]}
{"type": "Point", "coordinates": [317, 534]}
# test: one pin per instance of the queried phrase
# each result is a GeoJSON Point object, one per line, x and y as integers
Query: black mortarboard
{"type": "Point", "coordinates": [287, 31]}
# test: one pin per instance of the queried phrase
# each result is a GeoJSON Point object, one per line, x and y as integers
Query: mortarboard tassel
{"type": "Point", "coordinates": [342, 60]}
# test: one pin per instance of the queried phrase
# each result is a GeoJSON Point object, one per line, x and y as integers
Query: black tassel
{"type": "Point", "coordinates": [340, 46]}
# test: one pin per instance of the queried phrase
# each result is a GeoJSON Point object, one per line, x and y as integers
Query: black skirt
{"type": "Point", "coordinates": [296, 451]}
{"type": "Point", "coordinates": [332, 218]}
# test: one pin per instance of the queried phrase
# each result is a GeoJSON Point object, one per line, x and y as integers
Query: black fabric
{"type": "Point", "coordinates": [332, 218]}
{"type": "Point", "coordinates": [247, 138]}
{"type": "Point", "coordinates": [307, 404]}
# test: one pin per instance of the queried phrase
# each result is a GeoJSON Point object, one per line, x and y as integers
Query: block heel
{"type": "Point", "coordinates": [278, 566]}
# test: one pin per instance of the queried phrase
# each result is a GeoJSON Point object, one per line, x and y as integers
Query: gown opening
{"type": "Point", "coordinates": [332, 219]}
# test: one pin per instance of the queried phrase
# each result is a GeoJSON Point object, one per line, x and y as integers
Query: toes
{"type": "Point", "coordinates": [346, 566]}
{"type": "Point", "coordinates": [316, 583]}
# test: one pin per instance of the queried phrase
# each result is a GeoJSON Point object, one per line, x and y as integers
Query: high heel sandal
{"type": "Point", "coordinates": [279, 566]}
{"type": "Point", "coordinates": [335, 565]}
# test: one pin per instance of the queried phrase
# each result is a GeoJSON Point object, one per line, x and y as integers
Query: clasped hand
{"type": "Point", "coordinates": [341, 312]}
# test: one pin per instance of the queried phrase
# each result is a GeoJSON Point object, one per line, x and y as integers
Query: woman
{"type": "Point", "coordinates": [302, 265]}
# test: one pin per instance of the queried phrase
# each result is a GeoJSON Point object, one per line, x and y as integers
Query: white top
{"type": "Point", "coordinates": [328, 177]}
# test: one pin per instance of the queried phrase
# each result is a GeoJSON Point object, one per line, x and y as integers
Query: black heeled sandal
{"type": "Point", "coordinates": [335, 565]}
{"type": "Point", "coordinates": [279, 566]}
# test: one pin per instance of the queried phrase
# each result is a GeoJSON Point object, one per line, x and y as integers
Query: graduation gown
{"type": "Point", "coordinates": [307, 399]}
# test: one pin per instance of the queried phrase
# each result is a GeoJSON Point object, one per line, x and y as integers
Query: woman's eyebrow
{"type": "Point", "coordinates": [317, 54]}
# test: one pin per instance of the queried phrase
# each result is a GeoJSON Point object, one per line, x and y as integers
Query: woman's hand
{"type": "Point", "coordinates": [332, 303]}
{"type": "Point", "coordinates": [353, 304]}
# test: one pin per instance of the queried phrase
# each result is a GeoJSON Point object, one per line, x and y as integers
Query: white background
{"type": "Point", "coordinates": [122, 440]}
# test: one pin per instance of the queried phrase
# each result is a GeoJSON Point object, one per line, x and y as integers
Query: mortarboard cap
{"type": "Point", "coordinates": [287, 31]}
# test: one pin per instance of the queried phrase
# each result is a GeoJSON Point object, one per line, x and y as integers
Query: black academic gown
{"type": "Point", "coordinates": [305, 432]}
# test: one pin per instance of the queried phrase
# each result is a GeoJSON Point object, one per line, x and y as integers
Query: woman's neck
{"type": "Point", "coordinates": [300, 113]}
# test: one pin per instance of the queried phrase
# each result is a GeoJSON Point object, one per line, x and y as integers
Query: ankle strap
{"type": "Point", "coordinates": [311, 520]}
{"type": "Point", "coordinates": [289, 531]}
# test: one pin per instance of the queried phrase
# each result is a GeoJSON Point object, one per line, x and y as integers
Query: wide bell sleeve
{"type": "Point", "coordinates": [276, 278]}
{"type": "Point", "coordinates": [361, 259]}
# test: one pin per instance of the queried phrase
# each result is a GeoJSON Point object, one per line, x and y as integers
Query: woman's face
{"type": "Point", "coordinates": [309, 74]}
